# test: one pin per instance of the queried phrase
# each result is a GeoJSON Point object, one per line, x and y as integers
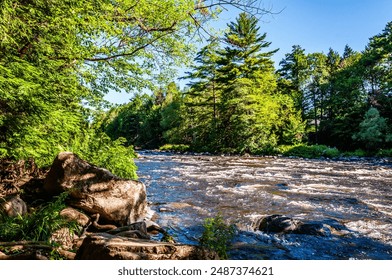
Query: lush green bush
{"type": "Point", "coordinates": [356, 153]}
{"type": "Point", "coordinates": [315, 151]}
{"type": "Point", "coordinates": [384, 153]}
{"type": "Point", "coordinates": [372, 130]}
{"type": "Point", "coordinates": [36, 226]}
{"type": "Point", "coordinates": [97, 148]}
{"type": "Point", "coordinates": [217, 235]}
{"type": "Point", "coordinates": [175, 147]}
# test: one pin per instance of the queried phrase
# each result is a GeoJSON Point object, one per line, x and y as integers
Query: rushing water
{"type": "Point", "coordinates": [183, 190]}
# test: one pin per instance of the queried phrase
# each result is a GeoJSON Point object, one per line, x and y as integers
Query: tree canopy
{"type": "Point", "coordinates": [59, 58]}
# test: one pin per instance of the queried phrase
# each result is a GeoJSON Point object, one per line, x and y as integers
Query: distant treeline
{"type": "Point", "coordinates": [237, 102]}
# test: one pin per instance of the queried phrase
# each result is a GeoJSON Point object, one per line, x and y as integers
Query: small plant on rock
{"type": "Point", "coordinates": [217, 235]}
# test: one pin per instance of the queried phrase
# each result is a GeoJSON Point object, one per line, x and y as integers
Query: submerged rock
{"type": "Point", "coordinates": [97, 191]}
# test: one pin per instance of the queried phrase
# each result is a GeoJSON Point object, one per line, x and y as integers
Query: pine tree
{"type": "Point", "coordinates": [203, 96]}
{"type": "Point", "coordinates": [247, 79]}
{"type": "Point", "coordinates": [294, 73]}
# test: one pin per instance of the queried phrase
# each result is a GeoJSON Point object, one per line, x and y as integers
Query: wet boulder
{"type": "Point", "coordinates": [277, 224]}
{"type": "Point", "coordinates": [283, 224]}
{"type": "Point", "coordinates": [314, 228]}
{"type": "Point", "coordinates": [104, 246]}
{"type": "Point", "coordinates": [96, 190]}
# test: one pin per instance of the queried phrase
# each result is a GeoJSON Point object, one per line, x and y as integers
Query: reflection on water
{"type": "Point", "coordinates": [186, 189]}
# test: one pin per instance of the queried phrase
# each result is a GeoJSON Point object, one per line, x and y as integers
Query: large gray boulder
{"type": "Point", "coordinates": [97, 191]}
{"type": "Point", "coordinates": [104, 246]}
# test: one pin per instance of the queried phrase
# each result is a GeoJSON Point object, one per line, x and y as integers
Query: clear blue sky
{"type": "Point", "coordinates": [315, 25]}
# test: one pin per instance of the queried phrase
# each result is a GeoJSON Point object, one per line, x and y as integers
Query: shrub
{"type": "Point", "coordinates": [372, 130]}
{"type": "Point", "coordinates": [315, 151]}
{"type": "Point", "coordinates": [356, 153]}
{"type": "Point", "coordinates": [175, 148]}
{"type": "Point", "coordinates": [217, 235]}
{"type": "Point", "coordinates": [98, 149]}
{"type": "Point", "coordinates": [384, 153]}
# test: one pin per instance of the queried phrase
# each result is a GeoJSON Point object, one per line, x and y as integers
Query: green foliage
{"type": "Point", "coordinates": [356, 153]}
{"type": "Point", "coordinates": [314, 151]}
{"type": "Point", "coordinates": [58, 56]}
{"type": "Point", "coordinates": [233, 105]}
{"type": "Point", "coordinates": [138, 122]}
{"type": "Point", "coordinates": [217, 235]}
{"type": "Point", "coordinates": [384, 153]}
{"type": "Point", "coordinates": [36, 226]}
{"type": "Point", "coordinates": [372, 130]}
{"type": "Point", "coordinates": [237, 103]}
{"type": "Point", "coordinates": [175, 147]}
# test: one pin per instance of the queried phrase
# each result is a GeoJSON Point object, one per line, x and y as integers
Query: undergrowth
{"type": "Point", "coordinates": [38, 225]}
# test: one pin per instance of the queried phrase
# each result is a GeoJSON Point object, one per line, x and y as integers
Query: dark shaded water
{"type": "Point", "coordinates": [183, 190]}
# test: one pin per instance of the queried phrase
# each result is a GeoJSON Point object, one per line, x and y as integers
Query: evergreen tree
{"type": "Point", "coordinates": [203, 96]}
{"type": "Point", "coordinates": [294, 73]}
{"type": "Point", "coordinates": [250, 105]}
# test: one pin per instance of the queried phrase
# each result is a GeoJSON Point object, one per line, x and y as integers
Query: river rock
{"type": "Point", "coordinates": [314, 228]}
{"type": "Point", "coordinates": [13, 206]}
{"type": "Point", "coordinates": [97, 191]}
{"type": "Point", "coordinates": [283, 224]}
{"type": "Point", "coordinates": [104, 246]}
{"type": "Point", "coordinates": [277, 224]}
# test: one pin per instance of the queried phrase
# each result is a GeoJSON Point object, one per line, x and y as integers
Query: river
{"type": "Point", "coordinates": [183, 190]}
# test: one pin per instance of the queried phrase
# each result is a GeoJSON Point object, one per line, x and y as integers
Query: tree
{"type": "Point", "coordinates": [58, 56]}
{"type": "Point", "coordinates": [246, 73]}
{"type": "Point", "coordinates": [377, 65]}
{"type": "Point", "coordinates": [252, 118]}
{"type": "Point", "coordinates": [294, 73]}
{"type": "Point", "coordinates": [372, 130]}
{"type": "Point", "coordinates": [203, 96]}
{"type": "Point", "coordinates": [175, 119]}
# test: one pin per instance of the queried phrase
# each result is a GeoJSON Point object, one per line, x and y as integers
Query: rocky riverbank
{"type": "Point", "coordinates": [109, 215]}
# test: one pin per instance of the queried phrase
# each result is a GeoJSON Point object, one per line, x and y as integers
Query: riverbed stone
{"type": "Point", "coordinates": [104, 246]}
{"type": "Point", "coordinates": [96, 190]}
